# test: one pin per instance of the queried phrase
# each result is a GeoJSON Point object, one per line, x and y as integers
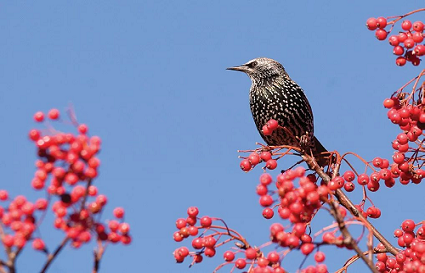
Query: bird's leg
{"type": "Point", "coordinates": [305, 142]}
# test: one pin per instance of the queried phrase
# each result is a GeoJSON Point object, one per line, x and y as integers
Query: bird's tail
{"type": "Point", "coordinates": [323, 158]}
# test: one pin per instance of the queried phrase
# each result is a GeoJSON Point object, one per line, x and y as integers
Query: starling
{"type": "Point", "coordinates": [274, 95]}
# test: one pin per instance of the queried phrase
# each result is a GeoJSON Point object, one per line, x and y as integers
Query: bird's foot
{"type": "Point", "coordinates": [305, 141]}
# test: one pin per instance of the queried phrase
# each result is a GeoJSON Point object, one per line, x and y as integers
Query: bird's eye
{"type": "Point", "coordinates": [252, 64]}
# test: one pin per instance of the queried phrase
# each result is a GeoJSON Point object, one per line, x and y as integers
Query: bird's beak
{"type": "Point", "coordinates": [242, 68]}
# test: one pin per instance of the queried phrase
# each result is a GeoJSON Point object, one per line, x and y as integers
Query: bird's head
{"type": "Point", "coordinates": [260, 68]}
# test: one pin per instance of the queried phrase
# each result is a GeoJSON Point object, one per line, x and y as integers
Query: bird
{"type": "Point", "coordinates": [274, 95]}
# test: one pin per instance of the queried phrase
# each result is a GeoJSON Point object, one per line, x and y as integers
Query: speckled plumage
{"type": "Point", "coordinates": [274, 95]}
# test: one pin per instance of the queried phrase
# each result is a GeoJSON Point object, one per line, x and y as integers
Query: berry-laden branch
{"type": "Point", "coordinates": [407, 44]}
{"type": "Point", "coordinates": [299, 195]}
{"type": "Point", "coordinates": [67, 167]}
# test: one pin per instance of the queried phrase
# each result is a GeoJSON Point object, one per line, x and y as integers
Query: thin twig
{"type": "Point", "coordinates": [52, 256]}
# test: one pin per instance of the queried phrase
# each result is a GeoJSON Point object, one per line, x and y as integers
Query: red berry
{"type": "Point", "coordinates": [192, 211]}
{"type": "Point", "coordinates": [8, 240]}
{"type": "Point", "coordinates": [381, 34]}
{"type": "Point", "coordinates": [114, 237]}
{"type": "Point", "coordinates": [82, 128]}
{"type": "Point", "coordinates": [209, 241]}
{"type": "Point", "coordinates": [418, 26]}
{"type": "Point", "coordinates": [393, 40]}
{"type": "Point", "coordinates": [206, 221]}
{"type": "Point", "coordinates": [402, 37]}
{"type": "Point", "coordinates": [262, 263]}
{"type": "Point", "coordinates": [409, 43]}
{"type": "Point", "coordinates": [245, 165]}
{"type": "Point", "coordinates": [349, 186]}
{"type": "Point", "coordinates": [319, 256]}
{"type": "Point", "coordinates": [266, 130]}
{"type": "Point", "coordinates": [209, 252]}
{"type": "Point", "coordinates": [363, 179]}
{"type": "Point", "coordinates": [41, 204]}
{"type": "Point", "coordinates": [389, 103]}
{"type": "Point", "coordinates": [416, 61]}
{"type": "Point", "coordinates": [251, 253]}
{"type": "Point", "coordinates": [19, 241]}
{"type": "Point", "coordinates": [39, 116]}
{"type": "Point", "coordinates": [336, 183]}
{"type": "Point", "coordinates": [307, 248]}
{"type": "Point", "coordinates": [400, 61]}
{"type": "Point", "coordinates": [101, 200]}
{"type": "Point", "coordinates": [398, 158]}
{"type": "Point", "coordinates": [371, 23]}
{"type": "Point", "coordinates": [254, 158]}
{"type": "Point", "coordinates": [240, 263]}
{"type": "Point", "coordinates": [406, 25]}
{"type": "Point", "coordinates": [53, 114]}
{"type": "Point", "coordinates": [380, 266]}
{"type": "Point", "coordinates": [261, 189]}
{"type": "Point", "coordinates": [198, 243]}
{"type": "Point", "coordinates": [124, 228]}
{"type": "Point", "coordinates": [266, 200]}
{"type": "Point", "coordinates": [266, 156]}
{"type": "Point", "coordinates": [373, 185]}
{"type": "Point", "coordinates": [38, 244]}
{"type": "Point", "coordinates": [398, 233]}
{"type": "Point", "coordinates": [382, 22]}
{"type": "Point", "coordinates": [193, 231]}
{"type": "Point", "coordinates": [377, 161]}
{"type": "Point", "coordinates": [266, 179]}
{"type": "Point", "coordinates": [273, 257]}
{"type": "Point", "coordinates": [118, 212]}
{"type": "Point", "coordinates": [313, 197]}
{"type": "Point", "coordinates": [385, 163]}
{"type": "Point", "coordinates": [419, 50]}
{"type": "Point", "coordinates": [398, 50]}
{"type": "Point", "coordinates": [272, 124]}
{"type": "Point", "coordinates": [268, 213]}
{"type": "Point", "coordinates": [385, 174]}
{"type": "Point", "coordinates": [402, 138]}
{"type": "Point", "coordinates": [292, 241]}
{"type": "Point", "coordinates": [85, 236]}
{"type": "Point", "coordinates": [34, 135]}
{"type": "Point", "coordinates": [408, 225]}
{"type": "Point", "coordinates": [417, 37]}
{"type": "Point", "coordinates": [94, 162]}
{"type": "Point", "coordinates": [271, 164]}
{"type": "Point", "coordinates": [229, 256]}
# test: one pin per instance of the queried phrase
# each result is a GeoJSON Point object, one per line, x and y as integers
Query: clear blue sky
{"type": "Point", "coordinates": [149, 78]}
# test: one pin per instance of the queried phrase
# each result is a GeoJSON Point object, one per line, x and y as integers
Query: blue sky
{"type": "Point", "coordinates": [149, 78]}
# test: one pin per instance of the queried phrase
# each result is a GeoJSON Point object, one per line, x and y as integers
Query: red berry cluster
{"type": "Point", "coordinates": [19, 221]}
{"type": "Point", "coordinates": [407, 44]}
{"type": "Point", "coordinates": [411, 120]}
{"type": "Point", "coordinates": [298, 204]}
{"type": "Point", "coordinates": [206, 244]}
{"type": "Point", "coordinates": [186, 228]}
{"type": "Point", "coordinates": [255, 158]}
{"type": "Point", "coordinates": [66, 168]}
{"type": "Point", "coordinates": [412, 257]}
{"type": "Point", "coordinates": [298, 239]}
{"type": "Point", "coordinates": [270, 126]}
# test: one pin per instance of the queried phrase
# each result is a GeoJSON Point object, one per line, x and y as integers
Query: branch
{"type": "Point", "coordinates": [51, 257]}
{"type": "Point", "coordinates": [98, 255]}
{"type": "Point", "coordinates": [348, 239]}
{"type": "Point", "coordinates": [346, 202]}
